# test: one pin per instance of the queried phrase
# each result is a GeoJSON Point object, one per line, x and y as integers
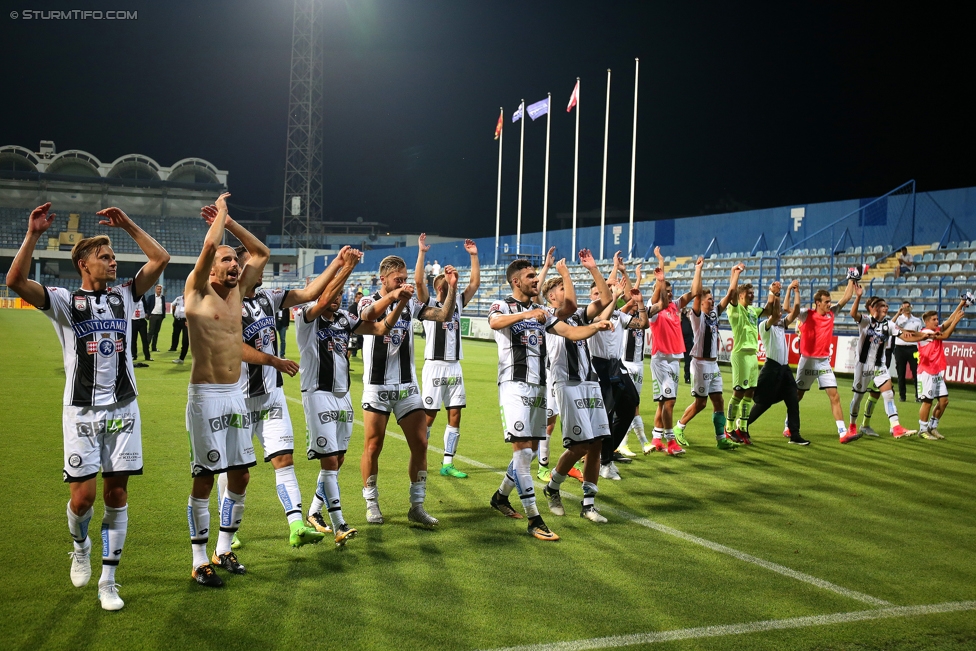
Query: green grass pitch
{"type": "Point", "coordinates": [771, 534]}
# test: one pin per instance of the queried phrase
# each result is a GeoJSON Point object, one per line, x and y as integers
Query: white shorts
{"type": "Point", "coordinates": [398, 399]}
{"type": "Point", "coordinates": [815, 369]}
{"type": "Point", "coordinates": [664, 378]}
{"type": "Point", "coordinates": [328, 423]}
{"type": "Point", "coordinates": [636, 370]}
{"type": "Point", "coordinates": [523, 408]}
{"type": "Point", "coordinates": [106, 438]}
{"type": "Point", "coordinates": [706, 378]}
{"type": "Point", "coordinates": [552, 404]}
{"type": "Point", "coordinates": [443, 384]}
{"type": "Point", "coordinates": [932, 387]}
{"type": "Point", "coordinates": [218, 423]}
{"type": "Point", "coordinates": [271, 423]}
{"type": "Point", "coordinates": [869, 378]}
{"type": "Point", "coordinates": [583, 414]}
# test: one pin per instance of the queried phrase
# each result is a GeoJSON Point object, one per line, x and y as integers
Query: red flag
{"type": "Point", "coordinates": [498, 127]}
{"type": "Point", "coordinates": [574, 98]}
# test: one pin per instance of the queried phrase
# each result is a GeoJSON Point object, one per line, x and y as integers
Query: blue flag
{"type": "Point", "coordinates": [538, 109]}
{"type": "Point", "coordinates": [517, 115]}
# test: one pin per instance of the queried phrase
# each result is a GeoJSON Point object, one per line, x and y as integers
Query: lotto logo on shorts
{"type": "Point", "coordinates": [589, 403]}
{"type": "Point", "coordinates": [539, 401]}
{"type": "Point", "coordinates": [447, 381]}
{"type": "Point", "coordinates": [336, 416]}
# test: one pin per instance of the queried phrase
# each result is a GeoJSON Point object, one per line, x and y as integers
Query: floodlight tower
{"type": "Point", "coordinates": [302, 214]}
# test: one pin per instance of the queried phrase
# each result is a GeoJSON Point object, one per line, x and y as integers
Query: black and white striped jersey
{"type": "Point", "coordinates": [705, 326]}
{"type": "Point", "coordinates": [322, 345]}
{"type": "Point", "coordinates": [608, 344]}
{"type": "Point", "coordinates": [872, 340]}
{"type": "Point", "coordinates": [258, 314]}
{"type": "Point", "coordinates": [569, 361]}
{"type": "Point", "coordinates": [634, 346]}
{"type": "Point", "coordinates": [388, 359]}
{"type": "Point", "coordinates": [522, 345]}
{"type": "Point", "coordinates": [95, 329]}
{"type": "Point", "coordinates": [444, 339]}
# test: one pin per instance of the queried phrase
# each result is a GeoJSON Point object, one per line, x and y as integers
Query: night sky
{"type": "Point", "coordinates": [751, 107]}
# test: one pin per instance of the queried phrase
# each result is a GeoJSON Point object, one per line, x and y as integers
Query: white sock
{"type": "Point", "coordinates": [841, 427]}
{"type": "Point", "coordinates": [231, 514]}
{"type": "Point", "coordinates": [669, 434]}
{"type": "Point", "coordinates": [890, 408]}
{"type": "Point", "coordinates": [589, 494]}
{"type": "Point", "coordinates": [923, 426]}
{"type": "Point", "coordinates": [508, 481]}
{"type": "Point", "coordinates": [657, 433]}
{"type": "Point", "coordinates": [544, 452]}
{"type": "Point", "coordinates": [855, 405]}
{"type": "Point", "coordinates": [370, 492]}
{"type": "Point", "coordinates": [286, 484]}
{"type": "Point", "coordinates": [319, 499]}
{"type": "Point", "coordinates": [78, 528]}
{"type": "Point", "coordinates": [451, 436]}
{"type": "Point", "coordinates": [556, 480]}
{"type": "Point", "coordinates": [418, 489]}
{"type": "Point", "coordinates": [933, 423]}
{"type": "Point", "coordinates": [221, 488]}
{"type": "Point", "coordinates": [522, 462]}
{"type": "Point", "coordinates": [330, 486]}
{"type": "Point", "coordinates": [114, 525]}
{"type": "Point", "coordinates": [198, 515]}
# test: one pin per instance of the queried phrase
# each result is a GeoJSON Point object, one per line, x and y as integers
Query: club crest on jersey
{"type": "Point", "coordinates": [530, 339]}
{"type": "Point", "coordinates": [114, 300]}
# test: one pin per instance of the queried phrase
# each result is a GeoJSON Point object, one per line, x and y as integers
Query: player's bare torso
{"type": "Point", "coordinates": [215, 336]}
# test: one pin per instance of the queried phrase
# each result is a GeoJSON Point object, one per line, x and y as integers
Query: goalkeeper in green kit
{"type": "Point", "coordinates": [744, 319]}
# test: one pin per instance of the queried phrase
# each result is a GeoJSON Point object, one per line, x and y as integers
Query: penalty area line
{"type": "Point", "coordinates": [617, 641]}
{"type": "Point", "coordinates": [697, 540]}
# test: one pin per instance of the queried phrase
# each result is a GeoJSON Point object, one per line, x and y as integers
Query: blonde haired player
{"type": "Point", "coordinates": [932, 366]}
{"type": "Point", "coordinates": [100, 417]}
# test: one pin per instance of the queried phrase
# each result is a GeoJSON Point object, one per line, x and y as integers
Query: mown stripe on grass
{"type": "Point", "coordinates": [697, 540]}
{"type": "Point", "coordinates": [657, 637]}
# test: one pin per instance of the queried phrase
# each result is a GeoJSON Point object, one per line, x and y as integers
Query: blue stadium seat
{"type": "Point", "coordinates": [928, 257]}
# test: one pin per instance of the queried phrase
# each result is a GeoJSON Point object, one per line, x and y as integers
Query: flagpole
{"type": "Point", "coordinates": [518, 227]}
{"type": "Point", "coordinates": [545, 191]}
{"type": "Point", "coordinates": [603, 195]}
{"type": "Point", "coordinates": [633, 166]}
{"type": "Point", "coordinates": [498, 200]}
{"type": "Point", "coordinates": [576, 167]}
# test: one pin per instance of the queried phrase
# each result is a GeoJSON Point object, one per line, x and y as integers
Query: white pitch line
{"type": "Point", "coordinates": [708, 544]}
{"type": "Point", "coordinates": [616, 641]}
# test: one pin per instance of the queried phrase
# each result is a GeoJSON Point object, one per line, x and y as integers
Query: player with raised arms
{"type": "Point", "coordinates": [324, 331]}
{"type": "Point", "coordinates": [101, 425]}
{"type": "Point", "coordinates": [584, 419]}
{"type": "Point", "coordinates": [217, 417]}
{"type": "Point", "coordinates": [706, 379]}
{"type": "Point", "coordinates": [443, 381]}
{"type": "Point", "coordinates": [932, 367]}
{"type": "Point", "coordinates": [871, 368]}
{"type": "Point", "coordinates": [816, 340]}
{"type": "Point", "coordinates": [390, 382]}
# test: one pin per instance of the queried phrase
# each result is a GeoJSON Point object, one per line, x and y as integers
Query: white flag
{"type": "Point", "coordinates": [519, 113]}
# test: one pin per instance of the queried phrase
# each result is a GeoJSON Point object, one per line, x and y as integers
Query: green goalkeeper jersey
{"type": "Point", "coordinates": [745, 327]}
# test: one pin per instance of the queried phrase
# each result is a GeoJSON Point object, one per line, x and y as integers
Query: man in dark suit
{"type": "Point", "coordinates": [156, 311]}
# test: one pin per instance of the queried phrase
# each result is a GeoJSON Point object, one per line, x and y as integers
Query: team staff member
{"type": "Point", "coordinates": [140, 328]}
{"type": "Point", "coordinates": [156, 310]}
{"type": "Point", "coordinates": [101, 424]}
{"type": "Point", "coordinates": [906, 352]}
{"type": "Point", "coordinates": [179, 329]}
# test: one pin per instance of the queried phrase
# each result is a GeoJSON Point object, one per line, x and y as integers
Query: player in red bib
{"type": "Point", "coordinates": [932, 366]}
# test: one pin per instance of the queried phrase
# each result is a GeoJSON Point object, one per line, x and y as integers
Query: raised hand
{"type": "Point", "coordinates": [603, 325]}
{"type": "Point", "coordinates": [776, 287]}
{"type": "Point", "coordinates": [795, 284]}
{"type": "Point", "coordinates": [657, 253]}
{"type": "Point", "coordinates": [422, 243]}
{"type": "Point", "coordinates": [858, 290]}
{"type": "Point", "coordinates": [739, 267]}
{"type": "Point", "coordinates": [618, 260]}
{"type": "Point", "coordinates": [561, 266]}
{"type": "Point", "coordinates": [586, 259]}
{"type": "Point", "coordinates": [470, 247]}
{"type": "Point", "coordinates": [616, 291]}
{"type": "Point", "coordinates": [700, 261]}
{"type": "Point", "coordinates": [114, 217]}
{"type": "Point", "coordinates": [637, 271]}
{"type": "Point", "coordinates": [635, 295]}
{"type": "Point", "coordinates": [40, 219]}
{"type": "Point", "coordinates": [351, 256]}
{"type": "Point", "coordinates": [451, 274]}
{"type": "Point", "coordinates": [550, 256]}
{"type": "Point", "coordinates": [659, 274]}
{"type": "Point", "coordinates": [209, 213]}
{"type": "Point", "coordinates": [221, 202]}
